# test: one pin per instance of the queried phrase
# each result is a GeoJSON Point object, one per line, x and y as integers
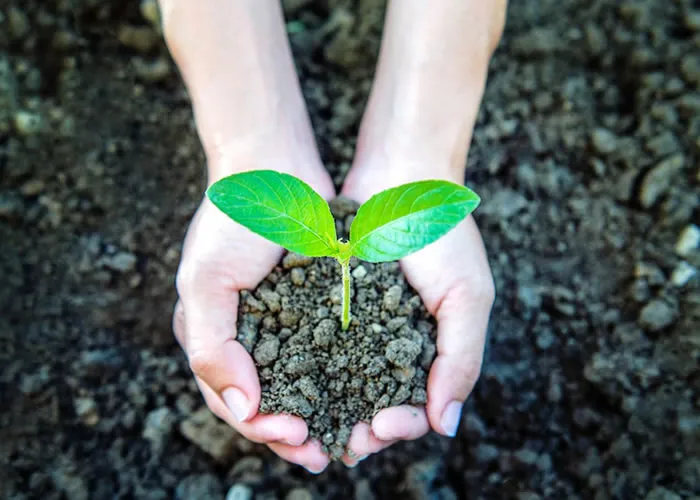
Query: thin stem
{"type": "Point", "coordinates": [345, 265]}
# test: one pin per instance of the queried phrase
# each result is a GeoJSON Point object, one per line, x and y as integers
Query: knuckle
{"type": "Point", "coordinates": [178, 324]}
{"type": "Point", "coordinates": [202, 363]}
{"type": "Point", "coordinates": [468, 373]}
{"type": "Point", "coordinates": [481, 289]}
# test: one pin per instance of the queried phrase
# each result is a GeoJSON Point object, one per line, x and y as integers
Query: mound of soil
{"type": "Point", "coordinates": [332, 378]}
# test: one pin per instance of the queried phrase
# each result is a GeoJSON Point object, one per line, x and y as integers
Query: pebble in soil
{"type": "Point", "coordinates": [311, 368]}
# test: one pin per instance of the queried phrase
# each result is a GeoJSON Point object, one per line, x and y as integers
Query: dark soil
{"type": "Point", "coordinates": [585, 153]}
{"type": "Point", "coordinates": [332, 378]}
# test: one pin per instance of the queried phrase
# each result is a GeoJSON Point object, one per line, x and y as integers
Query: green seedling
{"type": "Point", "coordinates": [389, 226]}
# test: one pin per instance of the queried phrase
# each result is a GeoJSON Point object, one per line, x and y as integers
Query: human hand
{"type": "Point", "coordinates": [219, 259]}
{"type": "Point", "coordinates": [453, 278]}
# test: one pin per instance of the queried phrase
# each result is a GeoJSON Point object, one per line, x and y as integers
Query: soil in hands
{"type": "Point", "coordinates": [310, 367]}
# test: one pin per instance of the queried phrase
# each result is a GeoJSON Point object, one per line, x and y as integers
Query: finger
{"type": "Point", "coordinates": [310, 456]}
{"type": "Point", "coordinates": [400, 423]}
{"type": "Point", "coordinates": [363, 443]}
{"type": "Point", "coordinates": [462, 323]}
{"type": "Point", "coordinates": [205, 326]}
{"type": "Point", "coordinates": [460, 298]}
{"type": "Point", "coordinates": [265, 429]}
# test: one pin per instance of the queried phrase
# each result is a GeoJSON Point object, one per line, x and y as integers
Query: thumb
{"type": "Point", "coordinates": [206, 329]}
{"type": "Point", "coordinates": [462, 323]}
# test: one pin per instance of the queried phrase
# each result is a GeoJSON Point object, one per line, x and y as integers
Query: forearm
{"type": "Point", "coordinates": [429, 83]}
{"type": "Point", "coordinates": [235, 59]}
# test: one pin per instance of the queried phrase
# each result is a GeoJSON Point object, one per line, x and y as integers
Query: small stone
{"type": "Point", "coordinates": [299, 494]}
{"type": "Point", "coordinates": [682, 274]}
{"type": "Point", "coordinates": [688, 241]}
{"type": "Point", "coordinates": [267, 350]}
{"type": "Point", "coordinates": [690, 68]}
{"type": "Point", "coordinates": [691, 18]}
{"type": "Point", "coordinates": [212, 436]}
{"type": "Point", "coordinates": [298, 276]}
{"type": "Point", "coordinates": [152, 71]}
{"type": "Point", "coordinates": [486, 453]}
{"type": "Point", "coordinates": [419, 397]}
{"type": "Point", "coordinates": [525, 457]}
{"type": "Point", "coordinates": [604, 141]}
{"type": "Point", "coordinates": [660, 493]}
{"type": "Point", "coordinates": [529, 299]}
{"type": "Point", "coordinates": [308, 388]}
{"type": "Point", "coordinates": [18, 23]}
{"type": "Point", "coordinates": [657, 315]}
{"type": "Point", "coordinates": [595, 38]}
{"type": "Point", "coordinates": [292, 6]}
{"type": "Point", "coordinates": [10, 206]}
{"type": "Point", "coordinates": [651, 273]}
{"type": "Point", "coordinates": [66, 40]}
{"type": "Point", "coordinates": [359, 272]}
{"type": "Point", "coordinates": [505, 204]}
{"type": "Point", "coordinates": [392, 298]}
{"type": "Point", "coordinates": [659, 179]}
{"type": "Point", "coordinates": [271, 299]}
{"type": "Point", "coordinates": [151, 13]}
{"type": "Point", "coordinates": [199, 487]}
{"type": "Point", "coordinates": [537, 42]}
{"type": "Point", "coordinates": [239, 492]}
{"type": "Point", "coordinates": [248, 469]}
{"type": "Point", "coordinates": [122, 262]}
{"type": "Point", "coordinates": [31, 188]}
{"type": "Point", "coordinates": [28, 123]}
{"type": "Point", "coordinates": [402, 352]}
{"type": "Point", "coordinates": [403, 393]}
{"type": "Point", "coordinates": [140, 38]}
{"type": "Point", "coordinates": [404, 375]}
{"type": "Point", "coordinates": [663, 144]}
{"type": "Point", "coordinates": [288, 319]}
{"type": "Point", "coordinates": [325, 331]}
{"type": "Point", "coordinates": [159, 425]}
{"type": "Point", "coordinates": [292, 260]}
{"type": "Point", "coordinates": [689, 104]}
{"type": "Point", "coordinates": [86, 409]}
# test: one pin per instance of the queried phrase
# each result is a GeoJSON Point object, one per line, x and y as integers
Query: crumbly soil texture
{"type": "Point", "coordinates": [311, 368]}
{"type": "Point", "coordinates": [585, 154]}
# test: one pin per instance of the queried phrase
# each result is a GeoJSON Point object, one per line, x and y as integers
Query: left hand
{"type": "Point", "coordinates": [453, 278]}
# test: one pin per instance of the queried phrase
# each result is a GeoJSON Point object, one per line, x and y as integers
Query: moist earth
{"type": "Point", "coordinates": [310, 367]}
{"type": "Point", "coordinates": [585, 154]}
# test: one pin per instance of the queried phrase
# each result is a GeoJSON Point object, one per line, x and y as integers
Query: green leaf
{"type": "Point", "coordinates": [402, 220]}
{"type": "Point", "coordinates": [279, 207]}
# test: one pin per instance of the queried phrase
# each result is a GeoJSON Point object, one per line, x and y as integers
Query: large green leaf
{"type": "Point", "coordinates": [279, 207]}
{"type": "Point", "coordinates": [402, 220]}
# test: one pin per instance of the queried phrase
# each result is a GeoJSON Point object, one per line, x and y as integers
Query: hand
{"type": "Point", "coordinates": [453, 278]}
{"type": "Point", "coordinates": [219, 259]}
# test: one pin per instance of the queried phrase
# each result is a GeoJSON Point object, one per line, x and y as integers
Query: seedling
{"type": "Point", "coordinates": [389, 226]}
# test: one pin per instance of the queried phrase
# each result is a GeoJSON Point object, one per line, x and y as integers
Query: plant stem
{"type": "Point", "coordinates": [345, 265]}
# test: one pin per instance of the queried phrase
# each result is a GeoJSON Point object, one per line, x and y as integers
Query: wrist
{"type": "Point", "coordinates": [235, 60]}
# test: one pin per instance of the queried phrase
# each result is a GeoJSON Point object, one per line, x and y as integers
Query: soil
{"type": "Point", "coordinates": [585, 153]}
{"type": "Point", "coordinates": [332, 378]}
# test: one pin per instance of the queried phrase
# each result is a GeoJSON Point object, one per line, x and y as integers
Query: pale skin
{"type": "Point", "coordinates": [236, 61]}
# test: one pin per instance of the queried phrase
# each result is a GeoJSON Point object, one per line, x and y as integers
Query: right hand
{"type": "Point", "coordinates": [220, 258]}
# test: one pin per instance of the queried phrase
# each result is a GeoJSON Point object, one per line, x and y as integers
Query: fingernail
{"type": "Point", "coordinates": [292, 442]}
{"type": "Point", "coordinates": [450, 418]}
{"type": "Point", "coordinates": [237, 402]}
{"type": "Point", "coordinates": [314, 470]}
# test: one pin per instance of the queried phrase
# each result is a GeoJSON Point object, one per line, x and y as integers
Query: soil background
{"type": "Point", "coordinates": [585, 154]}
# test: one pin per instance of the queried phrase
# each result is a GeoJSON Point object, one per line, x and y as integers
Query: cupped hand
{"type": "Point", "coordinates": [219, 259]}
{"type": "Point", "coordinates": [453, 278]}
